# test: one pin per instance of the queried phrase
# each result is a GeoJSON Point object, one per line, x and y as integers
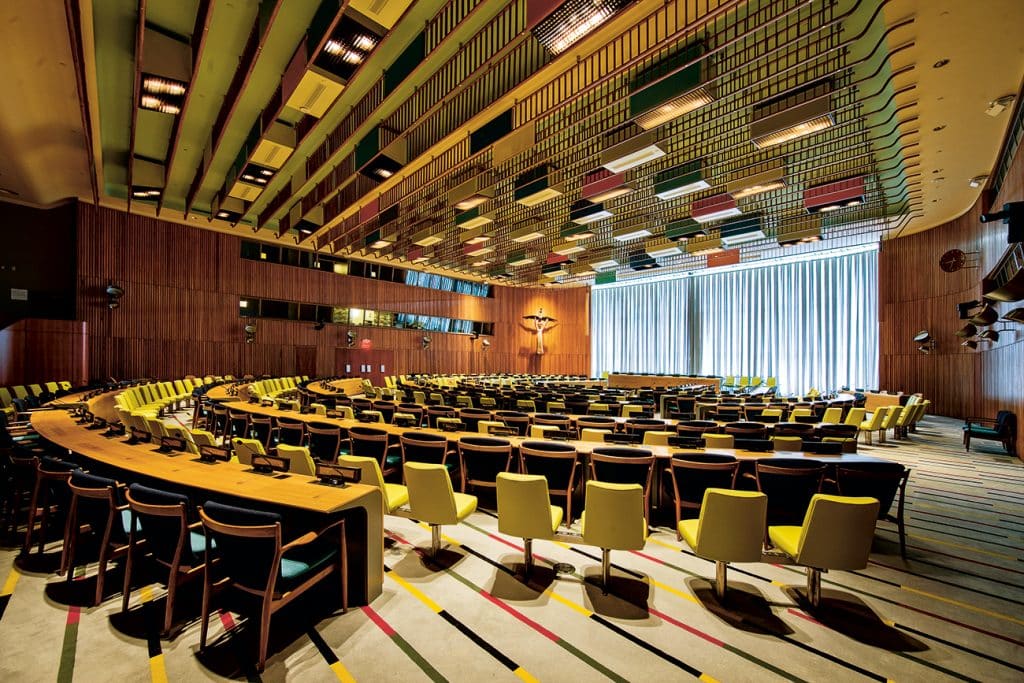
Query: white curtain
{"type": "Point", "coordinates": [809, 323]}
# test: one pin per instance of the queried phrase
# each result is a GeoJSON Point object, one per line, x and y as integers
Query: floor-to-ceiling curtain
{"type": "Point", "coordinates": [809, 323]}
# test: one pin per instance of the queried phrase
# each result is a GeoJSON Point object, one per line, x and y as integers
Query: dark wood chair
{"type": "Point", "coordinates": [881, 481]}
{"type": "Point", "coordinates": [557, 462]}
{"type": "Point", "coordinates": [251, 557]}
{"type": "Point", "coordinates": [481, 459]}
{"type": "Point", "coordinates": [1003, 429]}
{"type": "Point", "coordinates": [694, 473]}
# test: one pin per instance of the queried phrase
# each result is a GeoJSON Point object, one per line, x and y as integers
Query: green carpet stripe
{"type": "Point", "coordinates": [403, 645]}
{"type": "Point", "coordinates": [69, 647]}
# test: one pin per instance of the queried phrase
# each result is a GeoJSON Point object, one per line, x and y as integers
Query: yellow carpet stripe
{"type": "Point", "coordinates": [146, 593]}
{"type": "Point", "coordinates": [525, 675]}
{"type": "Point", "coordinates": [416, 592]}
{"type": "Point", "coordinates": [568, 603]}
{"type": "Point", "coordinates": [11, 582]}
{"type": "Point", "coordinates": [157, 671]}
{"type": "Point", "coordinates": [663, 544]}
{"type": "Point", "coordinates": [965, 605]}
{"type": "Point", "coordinates": [708, 679]}
{"type": "Point", "coordinates": [963, 547]}
{"type": "Point", "coordinates": [675, 591]}
{"type": "Point", "coordinates": [342, 673]}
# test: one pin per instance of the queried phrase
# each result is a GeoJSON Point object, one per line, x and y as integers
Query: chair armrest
{"type": "Point", "coordinates": [304, 539]}
{"type": "Point", "coordinates": [979, 420]}
{"type": "Point", "coordinates": [196, 525]}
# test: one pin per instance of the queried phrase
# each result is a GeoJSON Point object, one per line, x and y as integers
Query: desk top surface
{"type": "Point", "coordinates": [296, 491]}
{"type": "Point", "coordinates": [584, 447]}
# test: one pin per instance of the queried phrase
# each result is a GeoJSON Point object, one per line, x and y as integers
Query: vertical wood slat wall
{"type": "Point", "coordinates": [915, 294]}
{"type": "Point", "coordinates": [180, 313]}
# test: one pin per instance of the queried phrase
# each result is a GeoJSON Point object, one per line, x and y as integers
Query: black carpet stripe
{"type": "Point", "coordinates": [153, 621]}
{"type": "Point", "coordinates": [321, 645]}
{"type": "Point", "coordinates": [647, 646]}
{"type": "Point", "coordinates": [476, 638]}
{"type": "Point", "coordinates": [4, 599]}
{"type": "Point", "coordinates": [957, 646]}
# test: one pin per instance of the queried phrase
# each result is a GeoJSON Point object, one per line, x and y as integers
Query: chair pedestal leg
{"type": "Point", "coordinates": [435, 539]}
{"type": "Point", "coordinates": [814, 586]}
{"type": "Point", "coordinates": [606, 568]}
{"type": "Point", "coordinates": [528, 554]}
{"type": "Point", "coordinates": [720, 579]}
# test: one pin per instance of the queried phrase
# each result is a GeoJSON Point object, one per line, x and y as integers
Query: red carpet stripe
{"type": "Point", "coordinates": [403, 645]}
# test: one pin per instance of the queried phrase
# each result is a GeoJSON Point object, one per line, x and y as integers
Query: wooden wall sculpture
{"type": "Point", "coordinates": [916, 295]}
{"type": "Point", "coordinates": [180, 311]}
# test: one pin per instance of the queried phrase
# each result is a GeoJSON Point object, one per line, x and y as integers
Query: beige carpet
{"type": "Point", "coordinates": [953, 610]}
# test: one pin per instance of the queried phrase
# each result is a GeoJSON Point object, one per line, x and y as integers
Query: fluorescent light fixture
{"type": "Point", "coordinates": [471, 193]}
{"type": "Point", "coordinates": [680, 180]}
{"type": "Point", "coordinates": [771, 178]}
{"type": "Point", "coordinates": [746, 228]}
{"type": "Point", "coordinates": [573, 20]}
{"type": "Point", "coordinates": [665, 91]}
{"type": "Point", "coordinates": [534, 186]}
{"type": "Point", "coordinates": [661, 248]}
{"type": "Point", "coordinates": [519, 258]}
{"type": "Point", "coordinates": [475, 236]}
{"type": "Point", "coordinates": [641, 260]}
{"type": "Point", "coordinates": [704, 247]}
{"type": "Point", "coordinates": [683, 229]}
{"type": "Point", "coordinates": [478, 249]}
{"type": "Point", "coordinates": [714, 208]}
{"type": "Point", "coordinates": [568, 247]}
{"type": "Point", "coordinates": [634, 152]}
{"type": "Point", "coordinates": [601, 185]}
{"type": "Point", "coordinates": [375, 240]}
{"type": "Point", "coordinates": [634, 232]}
{"type": "Point", "coordinates": [604, 264]}
{"type": "Point", "coordinates": [572, 231]}
{"type": "Point", "coordinates": [529, 233]}
{"type": "Point", "coordinates": [801, 113]}
{"type": "Point", "coordinates": [554, 270]}
{"type": "Point", "coordinates": [481, 262]}
{"type": "Point", "coordinates": [803, 233]}
{"type": "Point", "coordinates": [584, 212]}
{"type": "Point", "coordinates": [473, 218]}
{"type": "Point", "coordinates": [835, 195]}
{"type": "Point", "coordinates": [427, 237]}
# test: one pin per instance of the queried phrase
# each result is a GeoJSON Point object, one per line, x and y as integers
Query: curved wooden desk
{"type": "Point", "coordinates": [302, 493]}
{"type": "Point", "coordinates": [350, 387]}
{"type": "Point", "coordinates": [628, 381]}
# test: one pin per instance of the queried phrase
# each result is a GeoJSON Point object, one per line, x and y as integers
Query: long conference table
{"type": "Point", "coordinates": [362, 506]}
{"type": "Point", "coordinates": [629, 381]}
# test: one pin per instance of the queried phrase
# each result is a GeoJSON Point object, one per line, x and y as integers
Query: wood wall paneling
{"type": "Point", "coordinates": [915, 294]}
{"type": "Point", "coordinates": [34, 351]}
{"type": "Point", "coordinates": [180, 313]}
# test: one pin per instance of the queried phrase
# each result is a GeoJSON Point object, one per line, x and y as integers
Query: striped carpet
{"type": "Point", "coordinates": [952, 611]}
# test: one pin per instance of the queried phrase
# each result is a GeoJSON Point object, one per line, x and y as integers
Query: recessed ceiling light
{"type": "Point", "coordinates": [978, 181]}
{"type": "Point", "coordinates": [938, 128]}
{"type": "Point", "coordinates": [941, 63]}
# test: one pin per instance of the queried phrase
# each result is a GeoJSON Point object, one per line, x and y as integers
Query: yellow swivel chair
{"type": "Point", "coordinates": [855, 417]}
{"type": "Point", "coordinates": [395, 495]}
{"type": "Point", "coordinates": [653, 437]}
{"type": "Point", "coordinates": [433, 500]}
{"type": "Point", "coordinates": [613, 519]}
{"type": "Point", "coordinates": [718, 440]}
{"type": "Point", "coordinates": [891, 420]}
{"type": "Point", "coordinates": [592, 434]}
{"type": "Point", "coordinates": [787, 443]}
{"type": "Point", "coordinates": [525, 510]}
{"type": "Point", "coordinates": [800, 412]}
{"type": "Point", "coordinates": [836, 534]}
{"type": "Point", "coordinates": [730, 529]}
{"type": "Point", "coordinates": [832, 416]}
{"type": "Point", "coordinates": [298, 457]}
{"type": "Point", "coordinates": [246, 448]}
{"type": "Point", "coordinates": [874, 423]}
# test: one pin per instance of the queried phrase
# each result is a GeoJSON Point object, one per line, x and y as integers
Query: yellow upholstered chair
{"type": "Point", "coordinates": [155, 426]}
{"type": "Point", "coordinates": [299, 459]}
{"type": "Point", "coordinates": [395, 495]}
{"type": "Point", "coordinates": [591, 434]}
{"type": "Point", "coordinates": [800, 412]}
{"type": "Point", "coordinates": [832, 416]}
{"type": "Point", "coordinates": [855, 417]}
{"type": "Point", "coordinates": [246, 448]}
{"type": "Point", "coordinates": [730, 529]}
{"type": "Point", "coordinates": [488, 403]}
{"type": "Point", "coordinates": [483, 425]}
{"type": "Point", "coordinates": [836, 534]}
{"type": "Point", "coordinates": [433, 500]}
{"type": "Point", "coordinates": [874, 423]}
{"type": "Point", "coordinates": [656, 437]}
{"type": "Point", "coordinates": [773, 414]}
{"type": "Point", "coordinates": [718, 440]}
{"type": "Point", "coordinates": [556, 407]}
{"type": "Point", "coordinates": [464, 401]}
{"type": "Point", "coordinates": [787, 443]}
{"type": "Point", "coordinates": [200, 437]}
{"type": "Point", "coordinates": [525, 510]}
{"type": "Point", "coordinates": [891, 420]}
{"type": "Point", "coordinates": [318, 409]}
{"type": "Point", "coordinates": [613, 519]}
{"type": "Point", "coordinates": [631, 410]}
{"type": "Point", "coordinates": [540, 431]}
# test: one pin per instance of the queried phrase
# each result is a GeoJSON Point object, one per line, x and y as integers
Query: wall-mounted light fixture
{"type": "Point", "coordinates": [925, 342]}
{"type": "Point", "coordinates": [250, 332]}
{"type": "Point", "coordinates": [350, 339]}
{"type": "Point", "coordinates": [425, 341]}
{"type": "Point", "coordinates": [114, 294]}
